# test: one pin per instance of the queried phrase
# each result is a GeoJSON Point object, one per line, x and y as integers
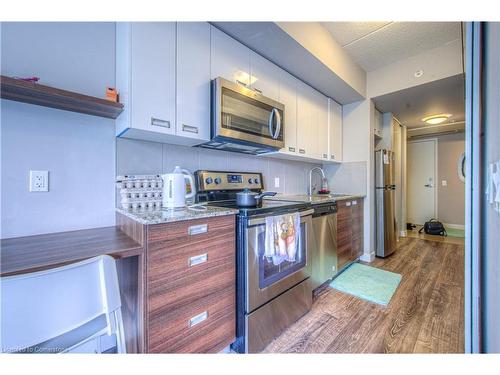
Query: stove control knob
{"type": "Point", "coordinates": [217, 180]}
{"type": "Point", "coordinates": [209, 180]}
{"type": "Point", "coordinates": [250, 180]}
{"type": "Point", "coordinates": [256, 181]}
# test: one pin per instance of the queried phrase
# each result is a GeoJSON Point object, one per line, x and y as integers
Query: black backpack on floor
{"type": "Point", "coordinates": [433, 227]}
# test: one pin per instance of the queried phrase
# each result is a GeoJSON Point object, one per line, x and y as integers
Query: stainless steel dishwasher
{"type": "Point", "coordinates": [324, 255]}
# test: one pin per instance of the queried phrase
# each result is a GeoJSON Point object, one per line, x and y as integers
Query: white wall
{"type": "Point", "coordinates": [358, 123]}
{"type": "Point", "coordinates": [437, 63]}
{"type": "Point", "coordinates": [78, 150]}
{"type": "Point", "coordinates": [317, 39]}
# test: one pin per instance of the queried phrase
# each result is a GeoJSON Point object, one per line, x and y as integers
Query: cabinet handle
{"type": "Point", "coordinates": [198, 259]}
{"type": "Point", "coordinates": [332, 156]}
{"type": "Point", "coordinates": [292, 149]}
{"type": "Point", "coordinates": [159, 122]}
{"type": "Point", "coordinates": [302, 151]}
{"type": "Point", "coordinates": [198, 319]}
{"type": "Point", "coordinates": [348, 204]}
{"type": "Point", "coordinates": [189, 128]}
{"type": "Point", "coordinates": [325, 156]}
{"type": "Point", "coordinates": [257, 90]}
{"type": "Point", "coordinates": [241, 83]}
{"type": "Point", "coordinates": [197, 229]}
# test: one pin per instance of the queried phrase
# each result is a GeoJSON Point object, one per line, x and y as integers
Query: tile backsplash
{"type": "Point", "coordinates": [141, 157]}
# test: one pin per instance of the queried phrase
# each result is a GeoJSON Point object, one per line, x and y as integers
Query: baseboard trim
{"type": "Point", "coordinates": [368, 257]}
{"type": "Point", "coordinates": [455, 226]}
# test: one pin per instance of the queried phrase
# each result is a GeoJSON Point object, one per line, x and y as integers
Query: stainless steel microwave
{"type": "Point", "coordinates": [243, 120]}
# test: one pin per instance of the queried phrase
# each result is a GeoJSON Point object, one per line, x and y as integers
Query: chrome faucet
{"type": "Point", "coordinates": [310, 192]}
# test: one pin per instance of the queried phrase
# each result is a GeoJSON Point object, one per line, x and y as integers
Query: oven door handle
{"type": "Point", "coordinates": [262, 220]}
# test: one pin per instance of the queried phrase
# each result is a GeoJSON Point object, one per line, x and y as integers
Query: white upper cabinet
{"type": "Point", "coordinates": [288, 97]}
{"type": "Point", "coordinates": [306, 121]}
{"type": "Point", "coordinates": [264, 76]}
{"type": "Point", "coordinates": [146, 77]}
{"type": "Point", "coordinates": [163, 78]}
{"type": "Point", "coordinates": [193, 80]}
{"type": "Point", "coordinates": [323, 140]}
{"type": "Point", "coordinates": [229, 58]}
{"type": "Point", "coordinates": [335, 131]}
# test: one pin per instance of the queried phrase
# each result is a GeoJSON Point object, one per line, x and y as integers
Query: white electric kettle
{"type": "Point", "coordinates": [174, 188]}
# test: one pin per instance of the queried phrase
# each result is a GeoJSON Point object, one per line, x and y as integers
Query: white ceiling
{"type": "Point", "coordinates": [375, 44]}
{"type": "Point", "coordinates": [412, 104]}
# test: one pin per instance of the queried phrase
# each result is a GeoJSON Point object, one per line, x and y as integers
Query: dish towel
{"type": "Point", "coordinates": [282, 238]}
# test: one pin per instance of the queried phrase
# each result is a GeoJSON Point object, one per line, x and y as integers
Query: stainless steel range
{"type": "Point", "coordinates": [269, 297]}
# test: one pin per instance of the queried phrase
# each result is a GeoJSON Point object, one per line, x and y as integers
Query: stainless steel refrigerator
{"type": "Point", "coordinates": [385, 200]}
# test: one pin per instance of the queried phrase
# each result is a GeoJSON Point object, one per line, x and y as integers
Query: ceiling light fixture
{"type": "Point", "coordinates": [436, 119]}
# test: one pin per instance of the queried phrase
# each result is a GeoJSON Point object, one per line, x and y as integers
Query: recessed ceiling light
{"type": "Point", "coordinates": [418, 73]}
{"type": "Point", "coordinates": [436, 119]}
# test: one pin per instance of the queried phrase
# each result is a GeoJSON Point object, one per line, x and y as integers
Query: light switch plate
{"type": "Point", "coordinates": [39, 181]}
{"type": "Point", "coordinates": [444, 183]}
{"type": "Point", "coordinates": [276, 182]}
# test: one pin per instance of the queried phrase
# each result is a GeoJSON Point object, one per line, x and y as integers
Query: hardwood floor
{"type": "Point", "coordinates": [425, 315]}
{"type": "Point", "coordinates": [414, 233]}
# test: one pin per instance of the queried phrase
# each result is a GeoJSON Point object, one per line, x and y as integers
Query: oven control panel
{"type": "Point", "coordinates": [217, 180]}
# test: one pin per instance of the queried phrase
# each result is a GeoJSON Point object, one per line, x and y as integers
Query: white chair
{"type": "Point", "coordinates": [69, 309]}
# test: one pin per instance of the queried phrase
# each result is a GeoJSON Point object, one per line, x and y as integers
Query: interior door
{"type": "Point", "coordinates": [421, 172]}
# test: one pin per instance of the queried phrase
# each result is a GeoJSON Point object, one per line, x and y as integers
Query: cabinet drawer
{"type": "Point", "coordinates": [166, 292]}
{"type": "Point", "coordinates": [205, 325]}
{"type": "Point", "coordinates": [191, 230]}
{"type": "Point", "coordinates": [172, 260]}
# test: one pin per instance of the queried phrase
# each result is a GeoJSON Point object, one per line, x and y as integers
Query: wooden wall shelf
{"type": "Point", "coordinates": [34, 93]}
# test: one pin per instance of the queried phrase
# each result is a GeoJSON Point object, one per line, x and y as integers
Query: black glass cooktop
{"type": "Point", "coordinates": [265, 207]}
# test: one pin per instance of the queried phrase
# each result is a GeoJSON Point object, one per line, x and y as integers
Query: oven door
{"type": "Point", "coordinates": [245, 115]}
{"type": "Point", "coordinates": [265, 280]}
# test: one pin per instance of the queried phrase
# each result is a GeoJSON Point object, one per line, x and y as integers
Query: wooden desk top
{"type": "Point", "coordinates": [35, 253]}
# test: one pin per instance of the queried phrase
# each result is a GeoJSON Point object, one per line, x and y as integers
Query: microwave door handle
{"type": "Point", "coordinates": [270, 123]}
{"type": "Point", "coordinates": [278, 124]}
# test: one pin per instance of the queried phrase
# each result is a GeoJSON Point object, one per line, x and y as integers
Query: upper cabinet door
{"type": "Point", "coordinates": [335, 131]}
{"type": "Point", "coordinates": [229, 58]}
{"type": "Point", "coordinates": [152, 48]}
{"type": "Point", "coordinates": [265, 76]}
{"type": "Point", "coordinates": [193, 80]}
{"type": "Point", "coordinates": [288, 97]}
{"type": "Point", "coordinates": [306, 120]}
{"type": "Point", "coordinates": [323, 140]}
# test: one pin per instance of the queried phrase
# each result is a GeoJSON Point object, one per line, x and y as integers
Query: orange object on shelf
{"type": "Point", "coordinates": [112, 94]}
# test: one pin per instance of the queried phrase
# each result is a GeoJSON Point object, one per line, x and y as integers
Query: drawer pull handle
{"type": "Point", "coordinates": [198, 259]}
{"type": "Point", "coordinates": [198, 229]}
{"type": "Point", "coordinates": [347, 204]}
{"type": "Point", "coordinates": [159, 122]}
{"type": "Point", "coordinates": [354, 203]}
{"type": "Point", "coordinates": [302, 151]}
{"type": "Point", "coordinates": [189, 129]}
{"type": "Point", "coordinates": [198, 319]}
{"type": "Point", "coordinates": [291, 149]}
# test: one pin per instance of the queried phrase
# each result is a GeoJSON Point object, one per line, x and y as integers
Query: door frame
{"type": "Point", "coordinates": [473, 243]}
{"type": "Point", "coordinates": [435, 141]}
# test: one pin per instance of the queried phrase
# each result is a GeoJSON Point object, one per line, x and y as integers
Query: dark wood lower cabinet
{"type": "Point", "coordinates": [349, 231]}
{"type": "Point", "coordinates": [191, 286]}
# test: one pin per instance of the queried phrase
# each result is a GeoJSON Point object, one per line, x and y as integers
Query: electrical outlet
{"type": "Point", "coordinates": [276, 182]}
{"type": "Point", "coordinates": [39, 180]}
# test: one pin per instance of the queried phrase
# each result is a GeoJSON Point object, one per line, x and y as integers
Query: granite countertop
{"type": "Point", "coordinates": [168, 216]}
{"type": "Point", "coordinates": [315, 199]}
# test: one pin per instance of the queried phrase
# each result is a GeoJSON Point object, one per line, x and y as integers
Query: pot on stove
{"type": "Point", "coordinates": [248, 198]}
